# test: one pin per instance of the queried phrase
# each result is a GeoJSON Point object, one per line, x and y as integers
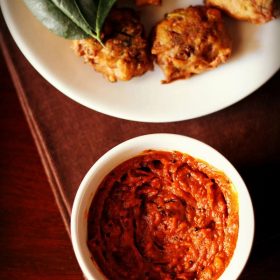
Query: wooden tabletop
{"type": "Point", "coordinates": [33, 240]}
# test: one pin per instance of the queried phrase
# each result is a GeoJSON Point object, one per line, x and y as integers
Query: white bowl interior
{"type": "Point", "coordinates": [169, 142]}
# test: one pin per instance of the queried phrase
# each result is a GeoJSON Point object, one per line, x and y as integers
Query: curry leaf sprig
{"type": "Point", "coordinates": [72, 19]}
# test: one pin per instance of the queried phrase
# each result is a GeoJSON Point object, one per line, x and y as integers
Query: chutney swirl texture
{"type": "Point", "coordinates": [163, 215]}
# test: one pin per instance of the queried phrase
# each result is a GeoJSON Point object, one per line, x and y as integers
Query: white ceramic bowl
{"type": "Point", "coordinates": [169, 142]}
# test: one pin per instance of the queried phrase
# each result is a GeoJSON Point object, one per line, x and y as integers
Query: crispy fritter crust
{"type": "Point", "coordinates": [255, 11]}
{"type": "Point", "coordinates": [125, 52]}
{"type": "Point", "coordinates": [190, 41]}
{"type": "Point", "coordinates": [147, 2]}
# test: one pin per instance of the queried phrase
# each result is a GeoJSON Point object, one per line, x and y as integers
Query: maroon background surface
{"type": "Point", "coordinates": [33, 240]}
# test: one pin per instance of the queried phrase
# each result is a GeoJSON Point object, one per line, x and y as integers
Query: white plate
{"type": "Point", "coordinates": [256, 58]}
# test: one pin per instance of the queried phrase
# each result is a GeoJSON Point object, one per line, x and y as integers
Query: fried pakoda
{"type": "Point", "coordinates": [147, 2]}
{"type": "Point", "coordinates": [125, 52]}
{"type": "Point", "coordinates": [255, 11]}
{"type": "Point", "coordinates": [190, 41]}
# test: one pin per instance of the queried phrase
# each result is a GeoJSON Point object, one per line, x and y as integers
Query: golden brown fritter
{"type": "Point", "coordinates": [255, 11]}
{"type": "Point", "coordinates": [190, 41]}
{"type": "Point", "coordinates": [147, 2]}
{"type": "Point", "coordinates": [125, 53]}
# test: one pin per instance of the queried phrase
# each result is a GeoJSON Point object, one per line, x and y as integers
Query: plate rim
{"type": "Point", "coordinates": [43, 70]}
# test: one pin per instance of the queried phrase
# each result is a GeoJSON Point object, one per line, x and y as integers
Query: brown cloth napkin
{"type": "Point", "coordinates": [70, 137]}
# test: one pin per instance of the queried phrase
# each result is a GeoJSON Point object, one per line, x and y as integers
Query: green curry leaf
{"type": "Point", "coordinates": [88, 9]}
{"type": "Point", "coordinates": [72, 19]}
{"type": "Point", "coordinates": [104, 7]}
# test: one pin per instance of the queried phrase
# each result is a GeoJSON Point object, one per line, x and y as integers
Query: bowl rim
{"type": "Point", "coordinates": [133, 147]}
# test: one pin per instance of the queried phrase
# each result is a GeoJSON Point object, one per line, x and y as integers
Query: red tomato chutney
{"type": "Point", "coordinates": [163, 215]}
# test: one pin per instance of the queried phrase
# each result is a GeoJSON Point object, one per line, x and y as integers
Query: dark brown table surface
{"type": "Point", "coordinates": [33, 240]}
